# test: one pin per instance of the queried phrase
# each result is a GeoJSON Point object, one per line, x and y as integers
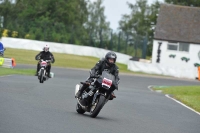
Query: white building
{"type": "Point", "coordinates": [178, 31]}
{"type": "Point", "coordinates": [176, 46]}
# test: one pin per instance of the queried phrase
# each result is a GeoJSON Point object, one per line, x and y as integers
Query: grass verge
{"type": "Point", "coordinates": [189, 95]}
{"type": "Point", "coordinates": [9, 71]}
{"type": "Point", "coordinates": [63, 60]}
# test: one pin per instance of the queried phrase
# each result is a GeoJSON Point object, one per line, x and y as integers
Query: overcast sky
{"type": "Point", "coordinates": [115, 8]}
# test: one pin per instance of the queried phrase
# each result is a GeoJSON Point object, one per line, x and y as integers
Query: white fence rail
{"type": "Point", "coordinates": [7, 62]}
{"type": "Point", "coordinates": [180, 72]}
{"type": "Point", "coordinates": [61, 48]}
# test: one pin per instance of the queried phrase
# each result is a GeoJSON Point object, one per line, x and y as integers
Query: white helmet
{"type": "Point", "coordinates": [46, 48]}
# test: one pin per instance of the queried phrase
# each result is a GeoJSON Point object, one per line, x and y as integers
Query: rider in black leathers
{"type": "Point", "coordinates": [107, 63]}
{"type": "Point", "coordinates": [45, 55]}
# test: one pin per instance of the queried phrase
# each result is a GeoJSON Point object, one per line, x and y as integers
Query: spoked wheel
{"type": "Point", "coordinates": [79, 109]}
{"type": "Point", "coordinates": [96, 108]}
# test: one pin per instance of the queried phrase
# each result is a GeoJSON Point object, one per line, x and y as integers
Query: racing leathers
{"type": "Point", "coordinates": [97, 70]}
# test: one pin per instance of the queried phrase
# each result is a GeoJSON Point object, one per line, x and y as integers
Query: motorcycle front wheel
{"type": "Point", "coordinates": [41, 76]}
{"type": "Point", "coordinates": [96, 108]}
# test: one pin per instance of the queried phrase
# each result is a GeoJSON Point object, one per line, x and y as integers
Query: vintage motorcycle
{"type": "Point", "coordinates": [96, 95]}
{"type": "Point", "coordinates": [42, 73]}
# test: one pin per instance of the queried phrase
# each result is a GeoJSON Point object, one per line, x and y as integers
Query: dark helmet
{"type": "Point", "coordinates": [110, 55]}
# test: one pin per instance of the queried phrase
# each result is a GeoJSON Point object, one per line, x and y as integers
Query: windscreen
{"type": "Point", "coordinates": [107, 75]}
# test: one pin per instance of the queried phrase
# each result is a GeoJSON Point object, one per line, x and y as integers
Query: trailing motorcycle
{"type": "Point", "coordinates": [96, 95]}
{"type": "Point", "coordinates": [42, 73]}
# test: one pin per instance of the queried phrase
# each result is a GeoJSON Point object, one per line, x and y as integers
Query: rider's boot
{"type": "Point", "coordinates": [112, 95]}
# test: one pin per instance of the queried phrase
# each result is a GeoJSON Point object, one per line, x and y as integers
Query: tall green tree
{"type": "Point", "coordinates": [7, 10]}
{"type": "Point", "coordinates": [135, 25]}
{"type": "Point", "coordinates": [154, 10]}
{"type": "Point", "coordinates": [125, 27]}
{"type": "Point", "coordinates": [49, 20]}
{"type": "Point", "coordinates": [97, 26]}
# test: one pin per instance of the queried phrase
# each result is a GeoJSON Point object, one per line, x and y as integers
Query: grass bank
{"type": "Point", "coordinates": [62, 60]}
{"type": "Point", "coordinates": [9, 71]}
{"type": "Point", "coordinates": [189, 95]}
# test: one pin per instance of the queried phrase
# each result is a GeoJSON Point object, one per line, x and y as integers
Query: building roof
{"type": "Point", "coordinates": [178, 23]}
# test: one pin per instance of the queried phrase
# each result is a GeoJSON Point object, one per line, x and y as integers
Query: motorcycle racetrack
{"type": "Point", "coordinates": [27, 106]}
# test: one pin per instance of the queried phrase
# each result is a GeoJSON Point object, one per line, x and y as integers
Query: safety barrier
{"type": "Point", "coordinates": [61, 48]}
{"type": "Point", "coordinates": [199, 73]}
{"type": "Point", "coordinates": [160, 69]}
{"type": "Point", "coordinates": [1, 61]}
{"type": "Point", "coordinates": [7, 62]}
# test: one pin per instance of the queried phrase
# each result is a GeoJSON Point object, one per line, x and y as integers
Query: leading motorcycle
{"type": "Point", "coordinates": [96, 95]}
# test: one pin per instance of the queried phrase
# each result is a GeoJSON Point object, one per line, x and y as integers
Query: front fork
{"type": "Point", "coordinates": [98, 94]}
{"type": "Point", "coordinates": [39, 73]}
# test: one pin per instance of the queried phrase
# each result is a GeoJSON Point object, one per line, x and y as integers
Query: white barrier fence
{"type": "Point", "coordinates": [61, 48]}
{"type": "Point", "coordinates": [180, 72]}
{"type": "Point", "coordinates": [7, 62]}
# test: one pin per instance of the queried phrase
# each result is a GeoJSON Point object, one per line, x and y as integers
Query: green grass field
{"type": "Point", "coordinates": [62, 60]}
{"type": "Point", "coordinates": [8, 71]}
{"type": "Point", "coordinates": [189, 95]}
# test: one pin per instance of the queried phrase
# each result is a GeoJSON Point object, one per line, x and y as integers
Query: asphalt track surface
{"type": "Point", "coordinates": [27, 106]}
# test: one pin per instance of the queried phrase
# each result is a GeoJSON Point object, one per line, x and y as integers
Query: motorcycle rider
{"type": "Point", "coordinates": [107, 63]}
{"type": "Point", "coordinates": [45, 55]}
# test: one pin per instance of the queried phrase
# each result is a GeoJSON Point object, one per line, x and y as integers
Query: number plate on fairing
{"type": "Point", "coordinates": [106, 82]}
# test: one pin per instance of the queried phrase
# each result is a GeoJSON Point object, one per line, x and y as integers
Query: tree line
{"type": "Point", "coordinates": [82, 22]}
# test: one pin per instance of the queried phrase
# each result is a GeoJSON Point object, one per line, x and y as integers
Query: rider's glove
{"type": "Point", "coordinates": [94, 75]}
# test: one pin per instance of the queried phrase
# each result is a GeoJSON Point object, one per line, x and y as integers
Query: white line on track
{"type": "Point", "coordinates": [182, 104]}
{"type": "Point", "coordinates": [150, 88]}
{"type": "Point", "coordinates": [5, 76]}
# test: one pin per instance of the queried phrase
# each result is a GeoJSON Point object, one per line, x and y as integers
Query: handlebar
{"type": "Point", "coordinates": [95, 76]}
{"type": "Point", "coordinates": [45, 60]}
